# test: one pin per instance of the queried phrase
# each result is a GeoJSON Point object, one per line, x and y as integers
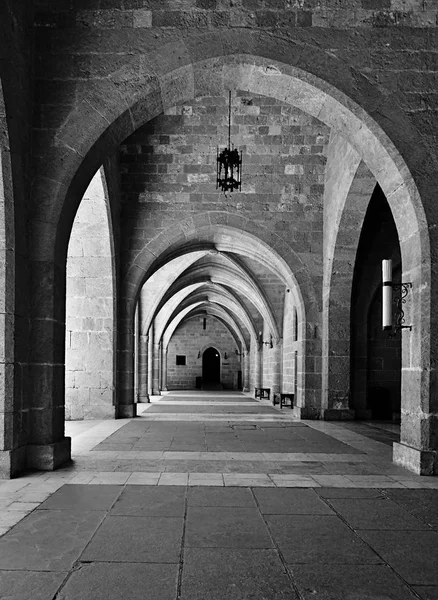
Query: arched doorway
{"type": "Point", "coordinates": [211, 367]}
{"type": "Point", "coordinates": [375, 355]}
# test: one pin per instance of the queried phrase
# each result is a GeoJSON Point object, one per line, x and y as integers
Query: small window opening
{"type": "Point", "coordinates": [181, 360]}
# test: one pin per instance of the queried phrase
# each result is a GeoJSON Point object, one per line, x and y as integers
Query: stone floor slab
{"type": "Point", "coordinates": [82, 497]}
{"type": "Point", "coordinates": [136, 539]}
{"type": "Point", "coordinates": [113, 581]}
{"type": "Point", "coordinates": [29, 585]}
{"type": "Point", "coordinates": [230, 574]}
{"type": "Point", "coordinates": [355, 582]}
{"type": "Point", "coordinates": [423, 504]}
{"type": "Point", "coordinates": [375, 513]}
{"type": "Point", "coordinates": [290, 502]}
{"type": "Point", "coordinates": [226, 527]}
{"type": "Point", "coordinates": [349, 492]}
{"type": "Point", "coordinates": [412, 554]}
{"type": "Point", "coordinates": [318, 539]}
{"type": "Point", "coordinates": [150, 502]}
{"type": "Point", "coordinates": [427, 592]}
{"type": "Point", "coordinates": [48, 540]}
{"type": "Point", "coordinates": [239, 497]}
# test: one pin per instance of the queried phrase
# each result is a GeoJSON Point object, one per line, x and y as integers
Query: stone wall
{"type": "Point", "coordinates": [189, 339]}
{"type": "Point", "coordinates": [238, 13]}
{"type": "Point", "coordinates": [89, 359]}
{"type": "Point", "coordinates": [169, 171]}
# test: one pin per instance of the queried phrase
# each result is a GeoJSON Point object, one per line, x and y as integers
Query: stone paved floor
{"type": "Point", "coordinates": [235, 501]}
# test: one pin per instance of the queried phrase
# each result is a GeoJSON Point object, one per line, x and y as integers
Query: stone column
{"type": "Point", "coordinates": [48, 447]}
{"type": "Point", "coordinates": [276, 367]}
{"type": "Point", "coordinates": [418, 446]}
{"type": "Point", "coordinates": [126, 407]}
{"type": "Point", "coordinates": [245, 370]}
{"type": "Point", "coordinates": [258, 370]}
{"type": "Point", "coordinates": [155, 358]}
{"type": "Point", "coordinates": [143, 353]}
{"type": "Point", "coordinates": [164, 368]}
{"type": "Point", "coordinates": [143, 345]}
{"type": "Point", "coordinates": [150, 361]}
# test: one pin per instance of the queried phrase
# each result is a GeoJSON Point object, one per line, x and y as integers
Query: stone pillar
{"type": "Point", "coordinates": [126, 407]}
{"type": "Point", "coordinates": [143, 345]}
{"type": "Point", "coordinates": [48, 447]}
{"type": "Point", "coordinates": [143, 353]}
{"type": "Point", "coordinates": [258, 370]}
{"type": "Point", "coordinates": [276, 365]}
{"type": "Point", "coordinates": [150, 361]}
{"type": "Point", "coordinates": [418, 446]}
{"type": "Point", "coordinates": [155, 358]}
{"type": "Point", "coordinates": [246, 362]}
{"type": "Point", "coordinates": [164, 368]}
{"type": "Point", "coordinates": [335, 398]}
{"type": "Point", "coordinates": [308, 402]}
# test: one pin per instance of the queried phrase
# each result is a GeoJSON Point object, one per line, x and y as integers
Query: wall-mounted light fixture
{"type": "Point", "coordinates": [387, 300]}
{"type": "Point", "coordinates": [261, 341]}
{"type": "Point", "coordinates": [229, 163]}
{"type": "Point", "coordinates": [239, 354]}
{"type": "Point", "coordinates": [199, 354]}
{"type": "Point", "coordinates": [225, 356]}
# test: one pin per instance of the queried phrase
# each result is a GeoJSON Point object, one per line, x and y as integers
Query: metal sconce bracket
{"type": "Point", "coordinates": [260, 341]}
{"type": "Point", "coordinates": [403, 288]}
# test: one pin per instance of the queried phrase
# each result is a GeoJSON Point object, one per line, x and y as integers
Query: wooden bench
{"type": "Point", "coordinates": [284, 399]}
{"type": "Point", "coordinates": [262, 392]}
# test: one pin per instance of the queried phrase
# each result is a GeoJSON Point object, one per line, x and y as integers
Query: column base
{"type": "Point", "coordinates": [338, 414]}
{"type": "Point", "coordinates": [156, 392]}
{"type": "Point", "coordinates": [48, 457]}
{"type": "Point", "coordinates": [307, 413]}
{"type": "Point", "coordinates": [126, 411]}
{"type": "Point", "coordinates": [421, 462]}
{"type": "Point", "coordinates": [12, 462]}
{"type": "Point", "coordinates": [245, 389]}
{"type": "Point", "coordinates": [143, 399]}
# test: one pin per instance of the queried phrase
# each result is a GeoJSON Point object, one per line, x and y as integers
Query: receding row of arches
{"type": "Point", "coordinates": [255, 348]}
{"type": "Point", "coordinates": [301, 318]}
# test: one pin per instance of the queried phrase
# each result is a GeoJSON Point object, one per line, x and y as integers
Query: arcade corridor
{"type": "Point", "coordinates": [213, 495]}
{"type": "Point", "coordinates": [202, 201]}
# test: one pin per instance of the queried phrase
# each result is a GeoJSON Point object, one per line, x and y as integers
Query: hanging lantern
{"type": "Point", "coordinates": [229, 163]}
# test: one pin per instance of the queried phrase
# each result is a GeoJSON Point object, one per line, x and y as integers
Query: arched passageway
{"type": "Point", "coordinates": [375, 354]}
{"type": "Point", "coordinates": [90, 310]}
{"type": "Point", "coordinates": [304, 253]}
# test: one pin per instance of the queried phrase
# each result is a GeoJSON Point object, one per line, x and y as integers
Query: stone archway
{"type": "Point", "coordinates": [328, 104]}
{"type": "Point", "coordinates": [90, 309]}
{"type": "Point", "coordinates": [231, 241]}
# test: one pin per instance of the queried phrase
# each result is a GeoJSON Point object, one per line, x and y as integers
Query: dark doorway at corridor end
{"type": "Point", "coordinates": [211, 369]}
